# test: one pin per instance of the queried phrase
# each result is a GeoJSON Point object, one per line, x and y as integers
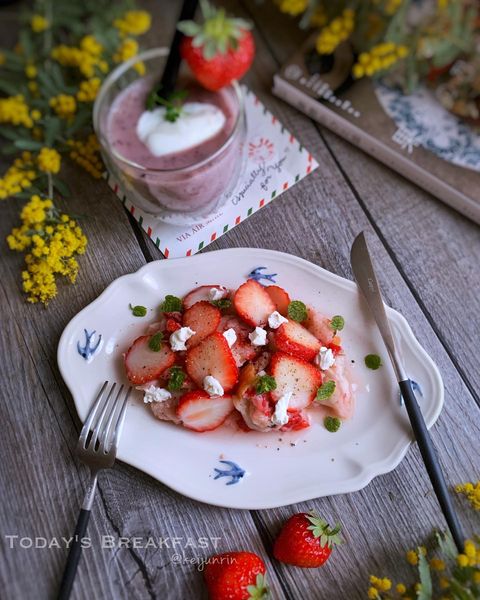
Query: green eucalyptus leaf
{"type": "Point", "coordinates": [425, 591]}
{"type": "Point", "coordinates": [62, 187]}
{"type": "Point", "coordinates": [52, 127]}
{"type": "Point", "coordinates": [28, 144]}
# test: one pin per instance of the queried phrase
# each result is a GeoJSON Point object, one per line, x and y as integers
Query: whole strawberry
{"type": "Point", "coordinates": [306, 540]}
{"type": "Point", "coordinates": [219, 50]}
{"type": "Point", "coordinates": [236, 576]}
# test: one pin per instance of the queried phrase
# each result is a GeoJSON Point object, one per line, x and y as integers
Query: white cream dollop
{"type": "Point", "coordinates": [198, 122]}
{"type": "Point", "coordinates": [212, 386]}
{"type": "Point", "coordinates": [216, 293]}
{"type": "Point", "coordinates": [230, 336]}
{"type": "Point", "coordinates": [325, 358]}
{"type": "Point", "coordinates": [179, 337]}
{"type": "Point", "coordinates": [280, 416]}
{"type": "Point", "coordinates": [276, 319]}
{"type": "Point", "coordinates": [258, 336]}
{"type": "Point", "coordinates": [156, 394]}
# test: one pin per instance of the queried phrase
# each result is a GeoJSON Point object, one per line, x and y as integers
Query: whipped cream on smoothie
{"type": "Point", "coordinates": [197, 123]}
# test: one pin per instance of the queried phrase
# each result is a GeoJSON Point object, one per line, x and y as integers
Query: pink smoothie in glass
{"type": "Point", "coordinates": [192, 180]}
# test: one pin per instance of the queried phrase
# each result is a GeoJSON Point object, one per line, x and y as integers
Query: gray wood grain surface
{"type": "Point", "coordinates": [427, 258]}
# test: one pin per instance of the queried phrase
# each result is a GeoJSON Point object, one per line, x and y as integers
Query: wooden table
{"type": "Point", "coordinates": [428, 260]}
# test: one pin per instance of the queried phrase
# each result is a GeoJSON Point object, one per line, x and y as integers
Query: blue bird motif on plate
{"type": "Point", "coordinates": [234, 472]}
{"type": "Point", "coordinates": [258, 275]}
{"type": "Point", "coordinates": [88, 349]}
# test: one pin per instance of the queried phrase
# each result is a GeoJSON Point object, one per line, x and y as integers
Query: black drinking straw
{"type": "Point", "coordinates": [170, 74]}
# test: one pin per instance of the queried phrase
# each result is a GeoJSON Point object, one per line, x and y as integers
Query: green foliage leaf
{"type": "Point", "coordinates": [52, 126]}
{"type": "Point", "coordinates": [28, 144]}
{"type": "Point", "coordinates": [62, 187]}
{"type": "Point", "coordinates": [425, 591]}
{"type": "Point", "coordinates": [446, 545]}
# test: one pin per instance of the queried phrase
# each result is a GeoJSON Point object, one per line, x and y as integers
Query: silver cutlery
{"type": "Point", "coordinates": [97, 448]}
{"type": "Point", "coordinates": [367, 281]}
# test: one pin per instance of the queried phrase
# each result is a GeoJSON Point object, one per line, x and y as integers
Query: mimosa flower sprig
{"type": "Point", "coordinates": [411, 41]}
{"type": "Point", "coordinates": [48, 84]}
{"type": "Point", "coordinates": [441, 572]}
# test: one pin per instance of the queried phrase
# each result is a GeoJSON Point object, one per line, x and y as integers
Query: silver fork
{"type": "Point", "coordinates": [97, 448]}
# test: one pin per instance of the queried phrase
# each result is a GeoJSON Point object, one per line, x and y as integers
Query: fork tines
{"type": "Point", "coordinates": [101, 430]}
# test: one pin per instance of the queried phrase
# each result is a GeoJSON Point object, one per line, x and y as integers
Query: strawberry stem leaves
{"type": "Point", "coordinates": [328, 536]}
{"type": "Point", "coordinates": [260, 590]}
{"type": "Point", "coordinates": [218, 33]}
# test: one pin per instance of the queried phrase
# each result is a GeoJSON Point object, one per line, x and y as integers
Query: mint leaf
{"type": "Point", "coordinates": [155, 342]}
{"type": "Point", "coordinates": [171, 304]}
{"type": "Point", "coordinates": [332, 424]}
{"type": "Point", "coordinates": [138, 311]}
{"type": "Point", "coordinates": [337, 323]}
{"type": "Point", "coordinates": [222, 304]}
{"type": "Point", "coordinates": [176, 379]}
{"type": "Point", "coordinates": [373, 361]}
{"type": "Point", "coordinates": [266, 383]}
{"type": "Point", "coordinates": [297, 311]}
{"type": "Point", "coordinates": [326, 390]}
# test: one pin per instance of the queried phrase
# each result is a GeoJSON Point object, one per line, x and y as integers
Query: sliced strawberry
{"type": "Point", "coordinates": [297, 376]}
{"type": "Point", "coordinates": [143, 364]}
{"type": "Point", "coordinates": [201, 412]}
{"type": "Point", "coordinates": [203, 318]}
{"type": "Point", "coordinates": [252, 303]}
{"type": "Point", "coordinates": [296, 421]}
{"type": "Point", "coordinates": [200, 294]}
{"type": "Point", "coordinates": [212, 356]}
{"type": "Point", "coordinates": [294, 339]}
{"type": "Point", "coordinates": [172, 325]}
{"type": "Point", "coordinates": [279, 297]}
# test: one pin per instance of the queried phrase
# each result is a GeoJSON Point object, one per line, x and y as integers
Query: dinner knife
{"type": "Point", "coordinates": [367, 281]}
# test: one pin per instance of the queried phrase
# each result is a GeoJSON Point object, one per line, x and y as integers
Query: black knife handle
{"type": "Point", "coordinates": [432, 465]}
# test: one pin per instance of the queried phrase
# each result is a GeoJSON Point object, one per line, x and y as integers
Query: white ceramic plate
{"type": "Point", "coordinates": [280, 468]}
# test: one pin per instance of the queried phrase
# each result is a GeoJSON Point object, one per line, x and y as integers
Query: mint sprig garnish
{"type": "Point", "coordinates": [332, 424]}
{"type": "Point", "coordinates": [222, 303]}
{"type": "Point", "coordinates": [171, 304]}
{"type": "Point", "coordinates": [337, 323]}
{"type": "Point", "coordinates": [176, 379]}
{"type": "Point", "coordinates": [297, 311]}
{"type": "Point", "coordinates": [173, 104]}
{"type": "Point", "coordinates": [265, 383]}
{"type": "Point", "coordinates": [155, 342]}
{"type": "Point", "coordinates": [138, 311]}
{"type": "Point", "coordinates": [326, 390]}
{"type": "Point", "coordinates": [373, 361]}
